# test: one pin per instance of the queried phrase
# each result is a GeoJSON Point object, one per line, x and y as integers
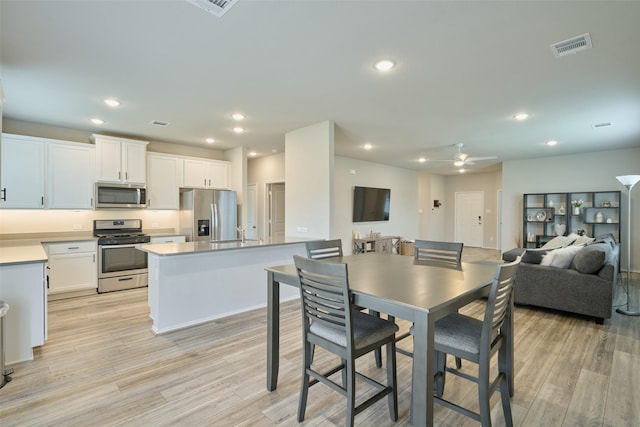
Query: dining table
{"type": "Point", "coordinates": [418, 291]}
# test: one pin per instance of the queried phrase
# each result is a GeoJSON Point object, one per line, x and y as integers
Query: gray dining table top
{"type": "Point", "coordinates": [402, 280]}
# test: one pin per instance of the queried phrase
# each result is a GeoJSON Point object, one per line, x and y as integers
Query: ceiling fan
{"type": "Point", "coordinates": [462, 159]}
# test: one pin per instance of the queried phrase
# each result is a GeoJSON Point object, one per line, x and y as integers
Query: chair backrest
{"type": "Point", "coordinates": [429, 250]}
{"type": "Point", "coordinates": [321, 249]}
{"type": "Point", "coordinates": [324, 290]}
{"type": "Point", "coordinates": [499, 301]}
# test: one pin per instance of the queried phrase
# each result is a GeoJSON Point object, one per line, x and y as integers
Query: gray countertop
{"type": "Point", "coordinates": [169, 249]}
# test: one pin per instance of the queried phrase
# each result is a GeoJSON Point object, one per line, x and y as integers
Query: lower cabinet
{"type": "Point", "coordinates": [72, 268]}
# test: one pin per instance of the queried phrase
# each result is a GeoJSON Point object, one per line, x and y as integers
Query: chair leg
{"type": "Point", "coordinates": [304, 386]}
{"type": "Point", "coordinates": [506, 403]}
{"type": "Point", "coordinates": [441, 369]}
{"type": "Point", "coordinates": [458, 363]}
{"type": "Point", "coordinates": [483, 394]}
{"type": "Point", "coordinates": [350, 368]}
{"type": "Point", "coordinates": [392, 381]}
{"type": "Point", "coordinates": [345, 376]}
{"type": "Point", "coordinates": [378, 351]}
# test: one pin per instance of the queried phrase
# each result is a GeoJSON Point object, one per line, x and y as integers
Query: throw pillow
{"type": "Point", "coordinates": [592, 258]}
{"type": "Point", "coordinates": [533, 256]}
{"type": "Point", "coordinates": [606, 238]}
{"type": "Point", "coordinates": [548, 258]}
{"type": "Point", "coordinates": [583, 240]}
{"type": "Point", "coordinates": [564, 256]}
{"type": "Point", "coordinates": [559, 242]}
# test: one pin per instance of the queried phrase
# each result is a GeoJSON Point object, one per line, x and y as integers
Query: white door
{"type": "Point", "coordinates": [252, 212]}
{"type": "Point", "coordinates": [469, 219]}
{"type": "Point", "coordinates": [276, 212]}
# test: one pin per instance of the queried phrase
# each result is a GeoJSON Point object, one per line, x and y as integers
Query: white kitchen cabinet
{"type": "Point", "coordinates": [163, 187]}
{"type": "Point", "coordinates": [72, 266]}
{"type": "Point", "coordinates": [206, 174]}
{"type": "Point", "coordinates": [23, 288]}
{"type": "Point", "coordinates": [169, 239]}
{"type": "Point", "coordinates": [22, 170]}
{"type": "Point", "coordinates": [120, 160]}
{"type": "Point", "coordinates": [70, 175]}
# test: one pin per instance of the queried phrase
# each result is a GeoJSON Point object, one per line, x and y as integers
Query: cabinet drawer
{"type": "Point", "coordinates": [168, 239]}
{"type": "Point", "coordinates": [70, 247]}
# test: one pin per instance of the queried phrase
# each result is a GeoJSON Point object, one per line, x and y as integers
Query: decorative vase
{"type": "Point", "coordinates": [599, 217]}
{"type": "Point", "coordinates": [561, 210]}
{"type": "Point", "coordinates": [576, 210]}
{"type": "Point", "coordinates": [559, 229]}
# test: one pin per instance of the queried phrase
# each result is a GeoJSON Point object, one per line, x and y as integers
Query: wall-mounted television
{"type": "Point", "coordinates": [371, 204]}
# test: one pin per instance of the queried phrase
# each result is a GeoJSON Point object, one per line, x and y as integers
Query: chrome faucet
{"type": "Point", "coordinates": [240, 230]}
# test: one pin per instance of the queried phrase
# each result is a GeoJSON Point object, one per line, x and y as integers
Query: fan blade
{"type": "Point", "coordinates": [475, 159]}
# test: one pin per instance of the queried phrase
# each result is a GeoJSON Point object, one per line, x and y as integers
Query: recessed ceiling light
{"type": "Point", "coordinates": [111, 102]}
{"type": "Point", "coordinates": [210, 140]}
{"type": "Point", "coordinates": [552, 142]}
{"type": "Point", "coordinates": [422, 160]}
{"type": "Point", "coordinates": [521, 116]}
{"type": "Point", "coordinates": [238, 116]}
{"type": "Point", "coordinates": [384, 65]}
{"type": "Point", "coordinates": [238, 130]}
{"type": "Point", "coordinates": [275, 150]}
{"type": "Point", "coordinates": [97, 121]}
{"type": "Point", "coordinates": [367, 146]}
{"type": "Point", "coordinates": [461, 170]}
{"type": "Point", "coordinates": [253, 153]}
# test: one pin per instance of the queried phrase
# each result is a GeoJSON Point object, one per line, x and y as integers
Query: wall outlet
{"type": "Point", "coordinates": [77, 226]}
{"type": "Point", "coordinates": [302, 230]}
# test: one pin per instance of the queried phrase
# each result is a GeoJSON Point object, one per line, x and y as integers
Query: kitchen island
{"type": "Point", "coordinates": [196, 282]}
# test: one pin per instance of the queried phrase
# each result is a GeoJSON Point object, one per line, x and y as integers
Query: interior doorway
{"type": "Point", "coordinates": [275, 210]}
{"type": "Point", "coordinates": [469, 227]}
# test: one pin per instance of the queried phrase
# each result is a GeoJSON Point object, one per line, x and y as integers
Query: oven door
{"type": "Point", "coordinates": [118, 260]}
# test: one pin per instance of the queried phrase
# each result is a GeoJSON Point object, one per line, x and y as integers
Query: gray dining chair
{"type": "Point", "coordinates": [430, 250]}
{"type": "Point", "coordinates": [445, 253]}
{"type": "Point", "coordinates": [330, 322]}
{"type": "Point", "coordinates": [323, 249]}
{"type": "Point", "coordinates": [477, 341]}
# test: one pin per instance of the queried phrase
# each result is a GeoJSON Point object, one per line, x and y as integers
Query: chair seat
{"type": "Point", "coordinates": [367, 330]}
{"type": "Point", "coordinates": [459, 331]}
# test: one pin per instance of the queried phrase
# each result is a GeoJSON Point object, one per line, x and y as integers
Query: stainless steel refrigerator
{"type": "Point", "coordinates": [207, 215]}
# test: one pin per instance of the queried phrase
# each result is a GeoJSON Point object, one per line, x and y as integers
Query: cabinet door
{"type": "Point", "coordinates": [70, 176]}
{"type": "Point", "coordinates": [134, 162]}
{"type": "Point", "coordinates": [168, 239]}
{"type": "Point", "coordinates": [218, 175]}
{"type": "Point", "coordinates": [162, 182]}
{"type": "Point", "coordinates": [195, 173]}
{"type": "Point", "coordinates": [22, 173]}
{"type": "Point", "coordinates": [108, 159]}
{"type": "Point", "coordinates": [72, 272]}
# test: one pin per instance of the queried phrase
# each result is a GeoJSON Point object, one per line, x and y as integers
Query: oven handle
{"type": "Point", "coordinates": [128, 245]}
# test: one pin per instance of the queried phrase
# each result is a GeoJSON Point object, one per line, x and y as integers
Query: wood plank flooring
{"type": "Point", "coordinates": [102, 365]}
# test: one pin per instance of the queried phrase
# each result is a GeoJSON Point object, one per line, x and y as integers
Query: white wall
{"type": "Point", "coordinates": [574, 173]}
{"type": "Point", "coordinates": [403, 211]}
{"type": "Point", "coordinates": [309, 163]}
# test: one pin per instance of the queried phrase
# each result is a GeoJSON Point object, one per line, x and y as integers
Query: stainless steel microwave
{"type": "Point", "coordinates": [110, 195]}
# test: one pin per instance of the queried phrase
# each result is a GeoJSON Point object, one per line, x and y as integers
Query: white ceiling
{"type": "Point", "coordinates": [463, 70]}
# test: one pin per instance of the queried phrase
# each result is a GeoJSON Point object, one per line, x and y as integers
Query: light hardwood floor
{"type": "Point", "coordinates": [102, 365]}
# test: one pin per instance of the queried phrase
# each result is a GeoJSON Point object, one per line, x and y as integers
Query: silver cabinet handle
{"type": "Point", "coordinates": [4, 195]}
{"type": "Point", "coordinates": [73, 247]}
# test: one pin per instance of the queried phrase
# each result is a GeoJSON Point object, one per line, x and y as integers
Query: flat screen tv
{"type": "Point", "coordinates": [371, 204]}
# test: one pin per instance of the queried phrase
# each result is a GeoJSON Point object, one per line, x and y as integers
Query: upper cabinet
{"type": "Point", "coordinates": [163, 187]}
{"type": "Point", "coordinates": [70, 175]}
{"type": "Point", "coordinates": [198, 173]}
{"type": "Point", "coordinates": [22, 172]}
{"type": "Point", "coordinates": [120, 160]}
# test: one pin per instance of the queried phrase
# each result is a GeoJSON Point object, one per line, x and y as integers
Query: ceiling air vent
{"type": "Point", "coordinates": [159, 123]}
{"type": "Point", "coordinates": [214, 7]}
{"type": "Point", "coordinates": [571, 46]}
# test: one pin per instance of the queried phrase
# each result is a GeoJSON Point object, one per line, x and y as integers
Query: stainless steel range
{"type": "Point", "coordinates": [120, 264]}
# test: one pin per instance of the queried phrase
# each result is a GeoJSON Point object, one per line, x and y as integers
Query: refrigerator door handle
{"type": "Point", "coordinates": [214, 234]}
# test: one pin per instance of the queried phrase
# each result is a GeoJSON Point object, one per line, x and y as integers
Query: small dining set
{"type": "Point", "coordinates": [349, 306]}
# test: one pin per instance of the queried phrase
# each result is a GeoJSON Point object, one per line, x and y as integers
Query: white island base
{"type": "Point", "coordinates": [193, 283]}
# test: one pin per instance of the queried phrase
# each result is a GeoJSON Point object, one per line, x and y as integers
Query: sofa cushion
{"type": "Point", "coordinates": [561, 258]}
{"type": "Point", "coordinates": [533, 256]}
{"type": "Point", "coordinates": [592, 258]}
{"type": "Point", "coordinates": [559, 242]}
{"type": "Point", "coordinates": [512, 254]}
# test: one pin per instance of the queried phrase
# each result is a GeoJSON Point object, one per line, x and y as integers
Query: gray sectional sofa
{"type": "Point", "coordinates": [585, 286]}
